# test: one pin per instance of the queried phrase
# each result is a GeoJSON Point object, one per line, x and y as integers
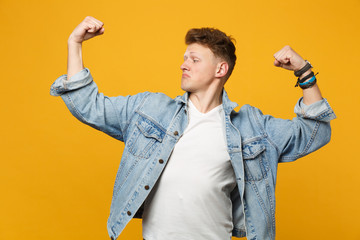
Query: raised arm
{"type": "Point", "coordinates": [110, 115]}
{"type": "Point", "coordinates": [310, 129]}
{"type": "Point", "coordinates": [88, 28]}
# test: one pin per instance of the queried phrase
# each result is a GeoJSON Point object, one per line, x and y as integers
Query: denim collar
{"type": "Point", "coordinates": [227, 104]}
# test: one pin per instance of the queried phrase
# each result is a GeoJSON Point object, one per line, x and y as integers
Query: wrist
{"type": "Point", "coordinates": [305, 67]}
{"type": "Point", "coordinates": [74, 47]}
{"type": "Point", "coordinates": [71, 41]}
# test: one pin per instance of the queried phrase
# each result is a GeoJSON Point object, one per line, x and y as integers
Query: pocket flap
{"type": "Point", "coordinates": [149, 129]}
{"type": "Point", "coordinates": [252, 150]}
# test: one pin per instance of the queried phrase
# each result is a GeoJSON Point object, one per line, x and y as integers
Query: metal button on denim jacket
{"type": "Point", "coordinates": [150, 124]}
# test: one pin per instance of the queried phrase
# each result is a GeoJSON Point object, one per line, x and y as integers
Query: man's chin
{"type": "Point", "coordinates": [187, 86]}
{"type": "Point", "coordinates": [186, 89]}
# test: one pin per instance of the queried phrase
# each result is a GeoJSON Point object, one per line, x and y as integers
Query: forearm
{"type": "Point", "coordinates": [75, 61]}
{"type": "Point", "coordinates": [312, 94]}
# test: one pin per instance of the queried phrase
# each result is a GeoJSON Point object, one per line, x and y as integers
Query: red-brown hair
{"type": "Point", "coordinates": [217, 41]}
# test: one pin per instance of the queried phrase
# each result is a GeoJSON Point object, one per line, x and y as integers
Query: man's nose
{"type": "Point", "coordinates": [184, 66]}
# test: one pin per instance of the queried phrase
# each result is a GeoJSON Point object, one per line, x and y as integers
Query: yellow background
{"type": "Point", "coordinates": [57, 175]}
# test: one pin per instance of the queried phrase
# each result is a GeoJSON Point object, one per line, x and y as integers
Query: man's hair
{"type": "Point", "coordinates": [217, 41]}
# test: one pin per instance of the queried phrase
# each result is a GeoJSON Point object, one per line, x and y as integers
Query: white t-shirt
{"type": "Point", "coordinates": [191, 200]}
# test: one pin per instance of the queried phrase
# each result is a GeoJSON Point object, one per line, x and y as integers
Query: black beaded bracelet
{"type": "Point", "coordinates": [307, 66]}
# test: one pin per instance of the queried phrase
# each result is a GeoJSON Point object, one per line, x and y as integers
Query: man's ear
{"type": "Point", "coordinates": [221, 69]}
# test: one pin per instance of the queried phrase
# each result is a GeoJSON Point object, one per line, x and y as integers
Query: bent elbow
{"type": "Point", "coordinates": [324, 133]}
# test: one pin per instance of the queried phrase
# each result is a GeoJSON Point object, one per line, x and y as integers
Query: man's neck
{"type": "Point", "coordinates": [205, 101]}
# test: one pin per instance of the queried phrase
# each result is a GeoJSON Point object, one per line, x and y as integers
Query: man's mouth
{"type": "Point", "coordinates": [184, 75]}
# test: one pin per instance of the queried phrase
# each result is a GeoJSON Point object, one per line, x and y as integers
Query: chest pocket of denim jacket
{"type": "Point", "coordinates": [255, 163]}
{"type": "Point", "coordinates": [145, 138]}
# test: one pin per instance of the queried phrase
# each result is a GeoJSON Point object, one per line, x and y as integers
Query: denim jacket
{"type": "Point", "coordinates": [150, 124]}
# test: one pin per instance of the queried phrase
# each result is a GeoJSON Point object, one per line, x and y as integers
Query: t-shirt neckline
{"type": "Point", "coordinates": [192, 106]}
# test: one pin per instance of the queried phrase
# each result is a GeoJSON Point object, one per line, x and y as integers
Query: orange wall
{"type": "Point", "coordinates": [56, 174]}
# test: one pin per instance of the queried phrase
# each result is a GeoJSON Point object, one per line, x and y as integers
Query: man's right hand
{"type": "Point", "coordinates": [88, 28]}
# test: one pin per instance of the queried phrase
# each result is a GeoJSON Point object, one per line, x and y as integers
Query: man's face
{"type": "Point", "coordinates": [199, 68]}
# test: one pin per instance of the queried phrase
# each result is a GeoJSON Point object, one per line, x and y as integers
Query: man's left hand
{"type": "Point", "coordinates": [287, 58]}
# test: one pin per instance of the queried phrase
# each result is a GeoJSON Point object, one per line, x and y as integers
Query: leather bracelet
{"type": "Point", "coordinates": [308, 84]}
{"type": "Point", "coordinates": [304, 78]}
{"type": "Point", "coordinates": [307, 66]}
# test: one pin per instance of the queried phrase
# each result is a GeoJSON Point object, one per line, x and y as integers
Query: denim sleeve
{"type": "Point", "coordinates": [307, 132]}
{"type": "Point", "coordinates": [110, 115]}
{"type": "Point", "coordinates": [63, 85]}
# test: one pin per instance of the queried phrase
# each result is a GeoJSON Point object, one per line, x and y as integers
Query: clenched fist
{"type": "Point", "coordinates": [287, 58]}
{"type": "Point", "coordinates": [88, 28]}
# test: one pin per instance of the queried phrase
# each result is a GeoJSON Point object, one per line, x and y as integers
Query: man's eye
{"type": "Point", "coordinates": [195, 60]}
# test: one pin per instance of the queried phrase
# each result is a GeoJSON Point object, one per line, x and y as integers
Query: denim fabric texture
{"type": "Point", "coordinates": [150, 124]}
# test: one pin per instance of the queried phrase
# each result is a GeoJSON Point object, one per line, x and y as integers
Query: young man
{"type": "Point", "coordinates": [221, 165]}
